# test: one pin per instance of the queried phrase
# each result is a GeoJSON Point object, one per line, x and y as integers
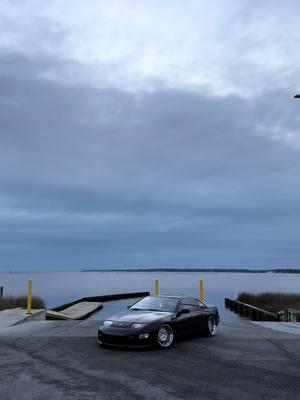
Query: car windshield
{"type": "Point", "coordinates": [156, 303]}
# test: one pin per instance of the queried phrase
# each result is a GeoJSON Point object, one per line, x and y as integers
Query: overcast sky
{"type": "Point", "coordinates": [149, 133]}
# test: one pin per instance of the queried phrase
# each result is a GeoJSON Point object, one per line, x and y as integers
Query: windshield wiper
{"type": "Point", "coordinates": [135, 309]}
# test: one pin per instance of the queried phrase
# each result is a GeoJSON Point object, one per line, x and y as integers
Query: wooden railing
{"type": "Point", "coordinates": [249, 311]}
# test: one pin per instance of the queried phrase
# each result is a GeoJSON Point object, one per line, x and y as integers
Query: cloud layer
{"type": "Point", "coordinates": [136, 134]}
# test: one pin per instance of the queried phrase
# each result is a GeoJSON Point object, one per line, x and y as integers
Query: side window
{"type": "Point", "coordinates": [189, 303]}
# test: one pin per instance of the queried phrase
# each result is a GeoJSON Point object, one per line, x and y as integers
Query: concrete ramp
{"type": "Point", "coordinates": [19, 315]}
{"type": "Point", "coordinates": [287, 327]}
{"type": "Point", "coordinates": [77, 311]}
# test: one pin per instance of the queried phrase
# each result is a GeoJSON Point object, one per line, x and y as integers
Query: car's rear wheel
{"type": "Point", "coordinates": [211, 327]}
{"type": "Point", "coordinates": [165, 336]}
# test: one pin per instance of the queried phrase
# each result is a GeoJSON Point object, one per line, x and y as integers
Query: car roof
{"type": "Point", "coordinates": [170, 296]}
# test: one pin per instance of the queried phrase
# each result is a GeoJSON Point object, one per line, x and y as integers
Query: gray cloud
{"type": "Point", "coordinates": [93, 176]}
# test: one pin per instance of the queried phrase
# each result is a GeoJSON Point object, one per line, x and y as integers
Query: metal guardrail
{"type": "Point", "coordinates": [293, 315]}
{"type": "Point", "coordinates": [289, 315]}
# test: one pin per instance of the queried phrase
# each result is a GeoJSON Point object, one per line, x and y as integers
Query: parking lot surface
{"type": "Point", "coordinates": [61, 360]}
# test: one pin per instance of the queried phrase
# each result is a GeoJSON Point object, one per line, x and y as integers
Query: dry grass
{"type": "Point", "coordinates": [20, 301]}
{"type": "Point", "coordinates": [271, 301]}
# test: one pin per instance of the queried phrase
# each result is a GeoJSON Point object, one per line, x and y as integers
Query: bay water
{"type": "Point", "coordinates": [61, 287]}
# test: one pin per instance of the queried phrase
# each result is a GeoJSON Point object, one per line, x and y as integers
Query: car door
{"type": "Point", "coordinates": [203, 314]}
{"type": "Point", "coordinates": [192, 320]}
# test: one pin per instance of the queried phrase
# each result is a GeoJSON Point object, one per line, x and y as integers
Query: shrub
{"type": "Point", "coordinates": [21, 301]}
{"type": "Point", "coordinates": [271, 301]}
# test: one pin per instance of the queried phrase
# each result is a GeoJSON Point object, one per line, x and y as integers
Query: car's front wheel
{"type": "Point", "coordinates": [165, 336]}
{"type": "Point", "coordinates": [211, 327]}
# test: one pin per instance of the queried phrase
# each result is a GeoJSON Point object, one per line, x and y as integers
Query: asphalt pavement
{"type": "Point", "coordinates": [61, 360]}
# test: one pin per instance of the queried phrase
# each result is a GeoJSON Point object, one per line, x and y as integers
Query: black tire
{"type": "Point", "coordinates": [211, 326]}
{"type": "Point", "coordinates": [165, 336]}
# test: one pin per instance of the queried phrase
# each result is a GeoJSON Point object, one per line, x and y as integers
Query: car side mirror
{"type": "Point", "coordinates": [183, 311]}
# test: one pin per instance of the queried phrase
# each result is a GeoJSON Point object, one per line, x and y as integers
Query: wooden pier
{"type": "Point", "coordinates": [85, 306]}
{"type": "Point", "coordinates": [249, 311]}
{"type": "Point", "coordinates": [77, 311]}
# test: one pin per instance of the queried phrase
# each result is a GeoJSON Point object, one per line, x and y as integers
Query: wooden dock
{"type": "Point", "coordinates": [85, 306]}
{"type": "Point", "coordinates": [77, 311]}
{"type": "Point", "coordinates": [249, 311]}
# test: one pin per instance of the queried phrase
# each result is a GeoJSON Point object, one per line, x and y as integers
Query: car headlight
{"type": "Point", "coordinates": [138, 326]}
{"type": "Point", "coordinates": [107, 323]}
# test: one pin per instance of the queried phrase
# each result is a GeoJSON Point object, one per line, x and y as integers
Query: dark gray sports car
{"type": "Point", "coordinates": [158, 320]}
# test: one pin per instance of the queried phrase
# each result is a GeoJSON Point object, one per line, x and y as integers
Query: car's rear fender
{"type": "Point", "coordinates": [213, 310]}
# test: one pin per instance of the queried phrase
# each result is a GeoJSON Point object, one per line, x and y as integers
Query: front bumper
{"type": "Point", "coordinates": [123, 338]}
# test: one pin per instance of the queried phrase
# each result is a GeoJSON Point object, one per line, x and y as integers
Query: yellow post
{"type": "Point", "coordinates": [156, 287]}
{"type": "Point", "coordinates": [201, 290]}
{"type": "Point", "coordinates": [29, 296]}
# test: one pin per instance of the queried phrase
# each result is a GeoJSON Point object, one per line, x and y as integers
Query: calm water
{"type": "Point", "coordinates": [58, 288]}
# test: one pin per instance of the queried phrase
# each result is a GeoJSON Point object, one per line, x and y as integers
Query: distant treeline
{"type": "Point", "coordinates": [276, 270]}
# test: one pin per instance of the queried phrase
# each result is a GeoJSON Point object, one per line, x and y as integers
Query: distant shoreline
{"type": "Point", "coordinates": [174, 270]}
{"type": "Point", "coordinates": [229, 270]}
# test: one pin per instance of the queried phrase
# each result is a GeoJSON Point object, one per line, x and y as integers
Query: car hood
{"type": "Point", "coordinates": [142, 317]}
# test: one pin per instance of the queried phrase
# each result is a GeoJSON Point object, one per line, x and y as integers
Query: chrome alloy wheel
{"type": "Point", "coordinates": [165, 336]}
{"type": "Point", "coordinates": [211, 326]}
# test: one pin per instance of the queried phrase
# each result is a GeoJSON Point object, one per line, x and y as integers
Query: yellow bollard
{"type": "Point", "coordinates": [201, 290]}
{"type": "Point", "coordinates": [29, 296]}
{"type": "Point", "coordinates": [156, 287]}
